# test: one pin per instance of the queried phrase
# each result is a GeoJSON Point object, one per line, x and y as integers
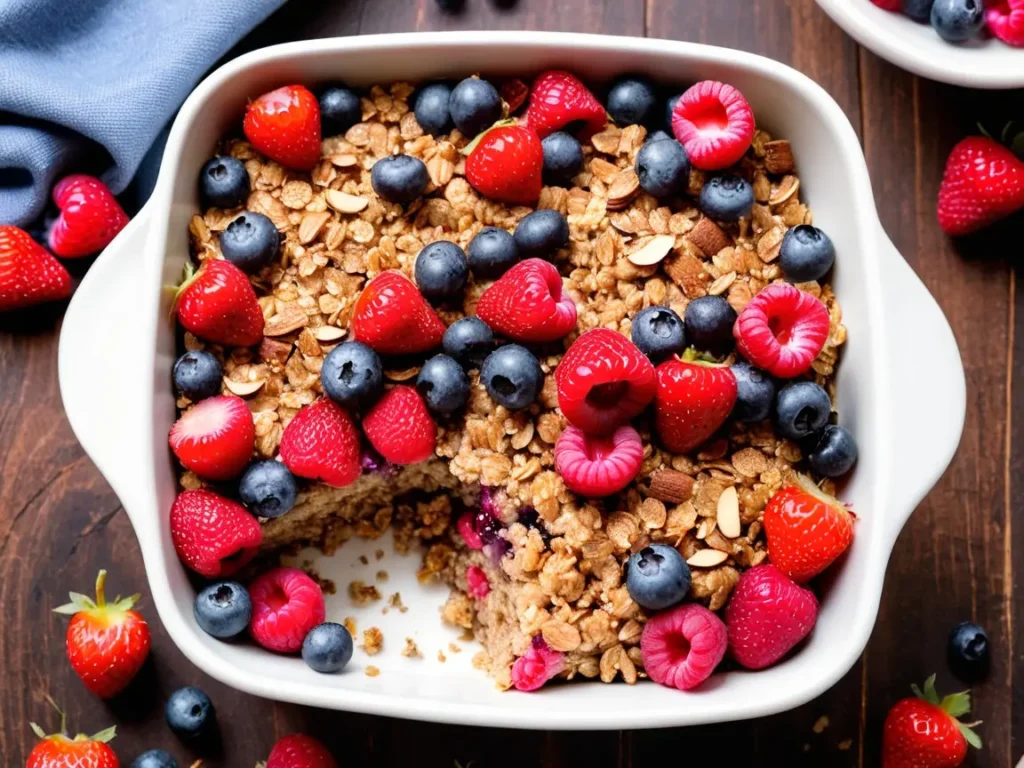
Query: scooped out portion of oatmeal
{"type": "Point", "coordinates": [578, 351]}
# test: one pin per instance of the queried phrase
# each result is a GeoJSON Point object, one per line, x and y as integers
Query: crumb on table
{"type": "Point", "coordinates": [373, 641]}
{"type": "Point", "coordinates": [372, 671]}
{"type": "Point", "coordinates": [363, 593]}
{"type": "Point", "coordinates": [411, 650]}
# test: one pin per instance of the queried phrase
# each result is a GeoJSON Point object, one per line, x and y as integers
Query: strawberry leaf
{"type": "Point", "coordinates": [106, 735]}
{"type": "Point", "coordinates": [969, 735]}
{"type": "Point", "coordinates": [956, 704]}
{"type": "Point", "coordinates": [37, 730]}
{"type": "Point", "coordinates": [929, 694]}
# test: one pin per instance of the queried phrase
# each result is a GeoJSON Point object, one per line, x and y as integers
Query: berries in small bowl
{"type": "Point", "coordinates": [657, 577]}
{"type": "Point", "coordinates": [801, 408]}
{"type": "Point", "coordinates": [832, 452]}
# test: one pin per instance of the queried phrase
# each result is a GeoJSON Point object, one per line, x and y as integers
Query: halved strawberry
{"type": "Point", "coordinates": [392, 316]}
{"type": "Point", "coordinates": [218, 304]}
{"type": "Point", "coordinates": [28, 273]}
{"type": "Point", "coordinates": [212, 535]}
{"type": "Point", "coordinates": [284, 125]}
{"type": "Point", "coordinates": [322, 443]}
{"type": "Point", "coordinates": [214, 438]}
{"type": "Point", "coordinates": [528, 303]}
{"type": "Point", "coordinates": [558, 100]}
{"type": "Point", "coordinates": [399, 427]}
{"type": "Point", "coordinates": [693, 400]}
{"type": "Point", "coordinates": [506, 164]}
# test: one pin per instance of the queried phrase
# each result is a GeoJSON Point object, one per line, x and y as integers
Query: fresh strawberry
{"type": "Point", "coordinates": [58, 750]}
{"type": "Point", "coordinates": [392, 316]}
{"type": "Point", "coordinates": [714, 123]}
{"type": "Point", "coordinates": [806, 529]}
{"type": "Point", "coordinates": [285, 126]}
{"type": "Point", "coordinates": [603, 381]}
{"type": "Point", "coordinates": [767, 615]}
{"type": "Point", "coordinates": [399, 427]}
{"type": "Point", "coordinates": [558, 99]}
{"type": "Point", "coordinates": [595, 467]}
{"type": "Point", "coordinates": [215, 438]}
{"type": "Point", "coordinates": [983, 182]}
{"type": "Point", "coordinates": [782, 330]}
{"type": "Point", "coordinates": [212, 535]}
{"type": "Point", "coordinates": [300, 751]}
{"type": "Point", "coordinates": [513, 92]}
{"type": "Point", "coordinates": [539, 664]}
{"type": "Point", "coordinates": [922, 731]}
{"type": "Point", "coordinates": [90, 217]}
{"type": "Point", "coordinates": [528, 303]}
{"type": "Point", "coordinates": [506, 165]}
{"type": "Point", "coordinates": [1006, 21]}
{"type": "Point", "coordinates": [107, 644]}
{"type": "Point", "coordinates": [28, 273]}
{"type": "Point", "coordinates": [218, 304]}
{"type": "Point", "coordinates": [286, 604]}
{"type": "Point", "coordinates": [321, 443]}
{"type": "Point", "coordinates": [693, 400]}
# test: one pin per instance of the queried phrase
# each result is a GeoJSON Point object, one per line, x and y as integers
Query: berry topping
{"type": "Point", "coordinates": [670, 108]}
{"type": "Point", "coordinates": [559, 101]}
{"type": "Point", "coordinates": [657, 577]}
{"type": "Point", "coordinates": [218, 304]}
{"type": "Point", "coordinates": [659, 136]}
{"type": "Point", "coordinates": [399, 178]}
{"type": "Point", "coordinates": [598, 466]}
{"type": "Point", "coordinates": [806, 254]}
{"type": "Point", "coordinates": [399, 427]}
{"type": "Point", "coordinates": [709, 323]}
{"type": "Point", "coordinates": [512, 376]}
{"type": "Point", "coordinates": [197, 375]}
{"type": "Point", "coordinates": [603, 381]}
{"type": "Point", "coordinates": [800, 409]}
{"type": "Point", "coordinates": [392, 316]}
{"type": "Point", "coordinates": [918, 10]}
{"type": "Point", "coordinates": [507, 164]}
{"type": "Point", "coordinates": [286, 605]}
{"type": "Point", "coordinates": [28, 273]}
{"type": "Point", "coordinates": [352, 374]}
{"type": "Point", "coordinates": [443, 385]}
{"type": "Point", "coordinates": [476, 582]}
{"type": "Point", "coordinates": [327, 648]}
{"type": "Point", "coordinates": [514, 91]}
{"type": "Point", "coordinates": [633, 101]}
{"type": "Point", "coordinates": [563, 159]}
{"type": "Point", "coordinates": [469, 340]}
{"type": "Point", "coordinates": [300, 751]}
{"type": "Point", "coordinates": [430, 106]}
{"type": "Point", "coordinates": [806, 529]}
{"type": "Point", "coordinates": [223, 609]}
{"type": "Point", "coordinates": [889, 5]}
{"type": "Point", "coordinates": [968, 652]}
{"type": "Point", "coordinates": [714, 123]}
{"type": "Point", "coordinates": [189, 713]}
{"type": "Point", "coordinates": [340, 109]}
{"type": "Point", "coordinates": [957, 21]}
{"type": "Point", "coordinates": [662, 167]}
{"type": "Point", "coordinates": [466, 527]}
{"type": "Point", "coordinates": [59, 750]}
{"type": "Point", "coordinates": [832, 452]}
{"type": "Point", "coordinates": [782, 330]}
{"type": "Point", "coordinates": [538, 665]}
{"type": "Point", "coordinates": [682, 646]}
{"type": "Point", "coordinates": [492, 252]}
{"type": "Point", "coordinates": [90, 217]}
{"type": "Point", "coordinates": [285, 126]}
{"type": "Point", "coordinates": [215, 438]}
{"type": "Point", "coordinates": [528, 304]}
{"type": "Point", "coordinates": [755, 393]}
{"type": "Point", "coordinates": [726, 198]}
{"type": "Point", "coordinates": [767, 616]}
{"type": "Point", "coordinates": [441, 270]}
{"type": "Point", "coordinates": [475, 106]}
{"type": "Point", "coordinates": [1006, 21]}
{"type": "Point", "coordinates": [922, 731]}
{"type": "Point", "coordinates": [658, 332]}
{"type": "Point", "coordinates": [983, 181]}
{"type": "Point", "coordinates": [250, 242]}
{"type": "Point", "coordinates": [268, 488]}
{"type": "Point", "coordinates": [155, 758]}
{"type": "Point", "coordinates": [212, 535]}
{"type": "Point", "coordinates": [541, 234]}
{"type": "Point", "coordinates": [693, 400]}
{"type": "Point", "coordinates": [224, 182]}
{"type": "Point", "coordinates": [322, 443]}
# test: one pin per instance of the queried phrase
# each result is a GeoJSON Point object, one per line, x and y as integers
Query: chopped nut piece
{"type": "Point", "coordinates": [350, 624]}
{"type": "Point", "coordinates": [383, 575]}
{"type": "Point", "coordinates": [688, 272]}
{"type": "Point", "coordinates": [441, 657]}
{"type": "Point", "coordinates": [329, 333]}
{"type": "Point", "coordinates": [623, 188]}
{"type": "Point", "coordinates": [708, 237]}
{"type": "Point", "coordinates": [372, 671]}
{"type": "Point", "coordinates": [778, 156]}
{"type": "Point", "coordinates": [292, 318]}
{"type": "Point", "coordinates": [362, 593]}
{"type": "Point", "coordinates": [243, 388]}
{"type": "Point", "coordinates": [820, 724]}
{"type": "Point", "coordinates": [411, 650]}
{"type": "Point", "coordinates": [671, 486]}
{"type": "Point", "coordinates": [373, 641]}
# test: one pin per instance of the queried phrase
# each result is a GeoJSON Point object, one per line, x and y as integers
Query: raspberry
{"type": "Point", "coordinates": [889, 5]}
{"type": "Point", "coordinates": [1006, 20]}
{"type": "Point", "coordinates": [782, 330]}
{"type": "Point", "coordinates": [476, 580]}
{"type": "Point", "coordinates": [212, 535]}
{"type": "Point", "coordinates": [598, 466]}
{"type": "Point", "coordinates": [714, 124]}
{"type": "Point", "coordinates": [399, 427]}
{"type": "Point", "coordinates": [538, 665]}
{"type": "Point", "coordinates": [558, 99]}
{"type": "Point", "coordinates": [681, 647]}
{"type": "Point", "coordinates": [300, 751]}
{"type": "Point", "coordinates": [527, 304]}
{"type": "Point", "coordinates": [286, 604]}
{"type": "Point", "coordinates": [467, 531]}
{"type": "Point", "coordinates": [603, 381]}
{"type": "Point", "coordinates": [322, 443]}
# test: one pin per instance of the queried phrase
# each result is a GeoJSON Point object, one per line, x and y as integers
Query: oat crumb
{"type": "Point", "coordinates": [350, 624]}
{"type": "Point", "coordinates": [441, 657]}
{"type": "Point", "coordinates": [396, 602]}
{"type": "Point", "coordinates": [372, 671]}
{"type": "Point", "coordinates": [363, 593]}
{"type": "Point", "coordinates": [373, 640]}
{"type": "Point", "coordinates": [382, 575]}
{"type": "Point", "coordinates": [821, 724]}
{"type": "Point", "coordinates": [454, 648]}
{"type": "Point", "coordinates": [363, 560]}
{"type": "Point", "coordinates": [379, 554]}
{"type": "Point", "coordinates": [411, 650]}
{"type": "Point", "coordinates": [845, 744]}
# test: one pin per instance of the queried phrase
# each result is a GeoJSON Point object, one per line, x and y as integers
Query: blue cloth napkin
{"type": "Point", "coordinates": [94, 81]}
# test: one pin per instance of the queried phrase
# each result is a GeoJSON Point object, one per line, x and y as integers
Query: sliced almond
{"type": "Point", "coordinates": [402, 375]}
{"type": "Point", "coordinates": [343, 202]}
{"type": "Point", "coordinates": [623, 188]}
{"type": "Point", "coordinates": [243, 388]}
{"type": "Point", "coordinates": [707, 558]}
{"type": "Point", "coordinates": [778, 156]}
{"type": "Point", "coordinates": [329, 333]}
{"type": "Point", "coordinates": [344, 161]}
{"type": "Point", "coordinates": [311, 225]}
{"type": "Point", "coordinates": [671, 486]}
{"type": "Point", "coordinates": [292, 318]}
{"type": "Point", "coordinates": [729, 513]}
{"type": "Point", "coordinates": [786, 189]}
{"type": "Point", "coordinates": [656, 249]}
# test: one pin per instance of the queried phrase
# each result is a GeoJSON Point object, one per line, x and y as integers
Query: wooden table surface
{"type": "Point", "coordinates": [60, 522]}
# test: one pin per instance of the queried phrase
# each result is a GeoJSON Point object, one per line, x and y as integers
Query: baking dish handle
{"type": "Point", "coordinates": [929, 419]}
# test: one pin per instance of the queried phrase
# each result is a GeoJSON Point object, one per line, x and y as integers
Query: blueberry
{"type": "Point", "coordinates": [806, 254]}
{"type": "Point", "coordinates": [755, 393]}
{"type": "Point", "coordinates": [512, 376]}
{"type": "Point", "coordinates": [474, 105]}
{"type": "Point", "coordinates": [492, 253]}
{"type": "Point", "coordinates": [541, 233]}
{"type": "Point", "coordinates": [663, 167]}
{"type": "Point", "coordinates": [197, 375]}
{"type": "Point", "coordinates": [670, 106]}
{"type": "Point", "coordinates": [190, 714]}
{"type": "Point", "coordinates": [957, 21]}
{"type": "Point", "coordinates": [800, 409]}
{"type": "Point", "coordinates": [658, 332]}
{"type": "Point", "coordinates": [451, 6]}
{"type": "Point", "coordinates": [726, 198]}
{"type": "Point", "coordinates": [968, 652]}
{"type": "Point", "coordinates": [352, 374]}
{"type": "Point", "coordinates": [223, 609]}
{"type": "Point", "coordinates": [918, 10]}
{"type": "Point", "coordinates": [563, 159]}
{"type": "Point", "coordinates": [224, 182]}
{"type": "Point", "coordinates": [441, 270]}
{"type": "Point", "coordinates": [632, 101]}
{"type": "Point", "coordinates": [832, 452]}
{"type": "Point", "coordinates": [327, 647]}
{"type": "Point", "coordinates": [709, 321]}
{"type": "Point", "coordinates": [399, 178]}
{"type": "Point", "coordinates": [250, 242]}
{"type": "Point", "coordinates": [340, 109]}
{"type": "Point", "coordinates": [469, 341]}
{"type": "Point", "coordinates": [657, 576]}
{"type": "Point", "coordinates": [154, 758]}
{"type": "Point", "coordinates": [268, 488]}
{"type": "Point", "coordinates": [431, 108]}
{"type": "Point", "coordinates": [657, 136]}
{"type": "Point", "coordinates": [443, 385]}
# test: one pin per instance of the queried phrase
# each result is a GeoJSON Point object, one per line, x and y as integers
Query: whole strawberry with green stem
{"type": "Point", "coordinates": [922, 731]}
{"type": "Point", "coordinates": [983, 183]}
{"type": "Point", "coordinates": [58, 750]}
{"type": "Point", "coordinates": [107, 643]}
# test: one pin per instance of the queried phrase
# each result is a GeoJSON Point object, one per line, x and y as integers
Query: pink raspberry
{"type": "Point", "coordinates": [782, 330]}
{"type": "Point", "coordinates": [464, 525]}
{"type": "Point", "coordinates": [714, 124]}
{"type": "Point", "coordinates": [1006, 20]}
{"type": "Point", "coordinates": [286, 604]}
{"type": "Point", "coordinates": [598, 466]}
{"type": "Point", "coordinates": [767, 615]}
{"type": "Point", "coordinates": [476, 580]}
{"type": "Point", "coordinates": [682, 646]}
{"type": "Point", "coordinates": [538, 665]}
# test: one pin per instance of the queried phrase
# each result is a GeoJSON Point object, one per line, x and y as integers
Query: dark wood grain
{"type": "Point", "coordinates": [59, 522]}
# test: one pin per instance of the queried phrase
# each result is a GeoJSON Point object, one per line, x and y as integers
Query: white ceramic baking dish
{"type": "Point", "coordinates": [901, 387]}
{"type": "Point", "coordinates": [917, 48]}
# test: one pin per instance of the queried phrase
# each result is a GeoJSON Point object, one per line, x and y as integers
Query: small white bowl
{"type": "Point", "coordinates": [917, 48]}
